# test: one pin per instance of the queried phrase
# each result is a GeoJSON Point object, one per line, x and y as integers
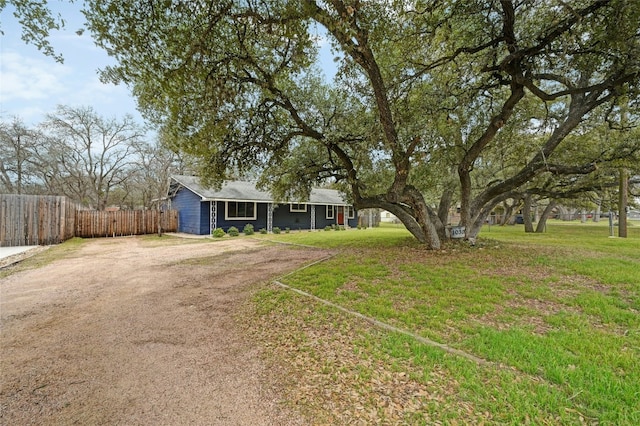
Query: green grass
{"type": "Point", "coordinates": [388, 236]}
{"type": "Point", "coordinates": [559, 310]}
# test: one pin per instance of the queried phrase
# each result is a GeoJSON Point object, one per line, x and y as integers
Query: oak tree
{"type": "Point", "coordinates": [89, 155]}
{"type": "Point", "coordinates": [417, 110]}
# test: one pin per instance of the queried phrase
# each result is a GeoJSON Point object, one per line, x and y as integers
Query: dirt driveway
{"type": "Point", "coordinates": [125, 332]}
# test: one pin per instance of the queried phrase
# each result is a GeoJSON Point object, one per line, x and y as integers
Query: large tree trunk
{"type": "Point", "coordinates": [563, 213]}
{"type": "Point", "coordinates": [508, 211]}
{"type": "Point", "coordinates": [526, 214]}
{"type": "Point", "coordinates": [465, 200]}
{"type": "Point", "coordinates": [481, 216]}
{"type": "Point", "coordinates": [596, 216]}
{"type": "Point", "coordinates": [445, 205]}
{"type": "Point", "coordinates": [542, 223]}
{"type": "Point", "coordinates": [415, 219]}
{"type": "Point", "coordinates": [622, 204]}
{"type": "Point", "coordinates": [424, 217]}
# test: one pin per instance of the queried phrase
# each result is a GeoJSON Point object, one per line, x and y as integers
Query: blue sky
{"type": "Point", "coordinates": [32, 84]}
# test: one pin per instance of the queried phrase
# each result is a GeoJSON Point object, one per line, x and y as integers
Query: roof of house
{"type": "Point", "coordinates": [246, 191]}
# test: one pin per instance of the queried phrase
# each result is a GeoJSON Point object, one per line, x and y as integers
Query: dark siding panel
{"type": "Point", "coordinates": [260, 222]}
{"type": "Point", "coordinates": [321, 217]}
{"type": "Point", "coordinates": [284, 218]}
{"type": "Point", "coordinates": [205, 214]}
{"type": "Point", "coordinates": [353, 222]}
{"type": "Point", "coordinates": [188, 206]}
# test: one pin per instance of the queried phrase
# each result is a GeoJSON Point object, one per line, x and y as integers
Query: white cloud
{"type": "Point", "coordinates": [28, 79]}
{"type": "Point", "coordinates": [32, 84]}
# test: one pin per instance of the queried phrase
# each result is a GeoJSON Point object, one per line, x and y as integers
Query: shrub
{"type": "Point", "coordinates": [287, 230]}
{"type": "Point", "coordinates": [233, 231]}
{"type": "Point", "coordinates": [276, 230]}
{"type": "Point", "coordinates": [248, 229]}
{"type": "Point", "coordinates": [327, 228]}
{"type": "Point", "coordinates": [218, 233]}
{"type": "Point", "coordinates": [263, 231]}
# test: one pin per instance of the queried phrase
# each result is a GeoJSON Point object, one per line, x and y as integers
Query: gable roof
{"type": "Point", "coordinates": [246, 191]}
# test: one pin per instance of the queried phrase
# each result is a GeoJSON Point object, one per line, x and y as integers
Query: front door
{"type": "Point", "coordinates": [340, 215]}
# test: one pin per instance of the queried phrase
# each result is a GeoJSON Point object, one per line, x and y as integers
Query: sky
{"type": "Point", "coordinates": [33, 85]}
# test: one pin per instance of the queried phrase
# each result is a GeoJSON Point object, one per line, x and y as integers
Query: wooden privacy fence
{"type": "Point", "coordinates": [90, 224]}
{"type": "Point", "coordinates": [42, 220]}
{"type": "Point", "coordinates": [27, 220]}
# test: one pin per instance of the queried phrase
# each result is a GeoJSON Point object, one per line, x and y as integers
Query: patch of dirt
{"type": "Point", "coordinates": [128, 333]}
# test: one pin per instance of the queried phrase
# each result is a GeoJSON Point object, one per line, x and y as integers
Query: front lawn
{"type": "Point", "coordinates": [556, 315]}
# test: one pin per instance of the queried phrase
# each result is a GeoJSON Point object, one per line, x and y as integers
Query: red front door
{"type": "Point", "coordinates": [340, 215]}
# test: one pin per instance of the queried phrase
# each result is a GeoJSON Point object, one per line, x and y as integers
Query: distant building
{"type": "Point", "coordinates": [388, 217]}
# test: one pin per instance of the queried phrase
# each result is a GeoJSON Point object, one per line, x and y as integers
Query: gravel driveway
{"type": "Point", "coordinates": [129, 332]}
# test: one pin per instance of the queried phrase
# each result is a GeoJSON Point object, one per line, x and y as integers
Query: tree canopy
{"type": "Point", "coordinates": [434, 102]}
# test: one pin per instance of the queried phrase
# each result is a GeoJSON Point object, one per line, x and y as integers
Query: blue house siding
{"type": "Point", "coordinates": [205, 214]}
{"type": "Point", "coordinates": [188, 206]}
{"type": "Point", "coordinates": [284, 218]}
{"type": "Point", "coordinates": [194, 214]}
{"type": "Point", "coordinates": [260, 222]}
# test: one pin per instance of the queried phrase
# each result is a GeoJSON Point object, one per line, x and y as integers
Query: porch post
{"type": "Point", "coordinates": [269, 217]}
{"type": "Point", "coordinates": [213, 216]}
{"type": "Point", "coordinates": [346, 217]}
{"type": "Point", "coordinates": [313, 217]}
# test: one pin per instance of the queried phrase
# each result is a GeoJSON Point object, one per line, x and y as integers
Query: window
{"type": "Point", "coordinates": [351, 212]}
{"type": "Point", "coordinates": [331, 212]}
{"type": "Point", "coordinates": [297, 208]}
{"type": "Point", "coordinates": [240, 210]}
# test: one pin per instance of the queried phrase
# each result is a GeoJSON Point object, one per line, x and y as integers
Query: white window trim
{"type": "Point", "coordinates": [226, 211]}
{"type": "Point", "coordinates": [292, 210]}
{"type": "Point", "coordinates": [331, 208]}
{"type": "Point", "coordinates": [351, 212]}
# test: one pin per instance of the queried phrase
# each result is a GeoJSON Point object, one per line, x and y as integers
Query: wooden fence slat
{"type": "Point", "coordinates": [30, 219]}
{"type": "Point", "coordinates": [44, 220]}
{"type": "Point", "coordinates": [90, 224]}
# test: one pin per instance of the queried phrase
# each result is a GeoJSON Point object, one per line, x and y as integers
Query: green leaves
{"type": "Point", "coordinates": [423, 90]}
{"type": "Point", "coordinates": [37, 22]}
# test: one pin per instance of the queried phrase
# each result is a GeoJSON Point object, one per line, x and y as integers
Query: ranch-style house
{"type": "Point", "coordinates": [202, 210]}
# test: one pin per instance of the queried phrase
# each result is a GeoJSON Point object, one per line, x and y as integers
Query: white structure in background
{"type": "Point", "coordinates": [388, 217]}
